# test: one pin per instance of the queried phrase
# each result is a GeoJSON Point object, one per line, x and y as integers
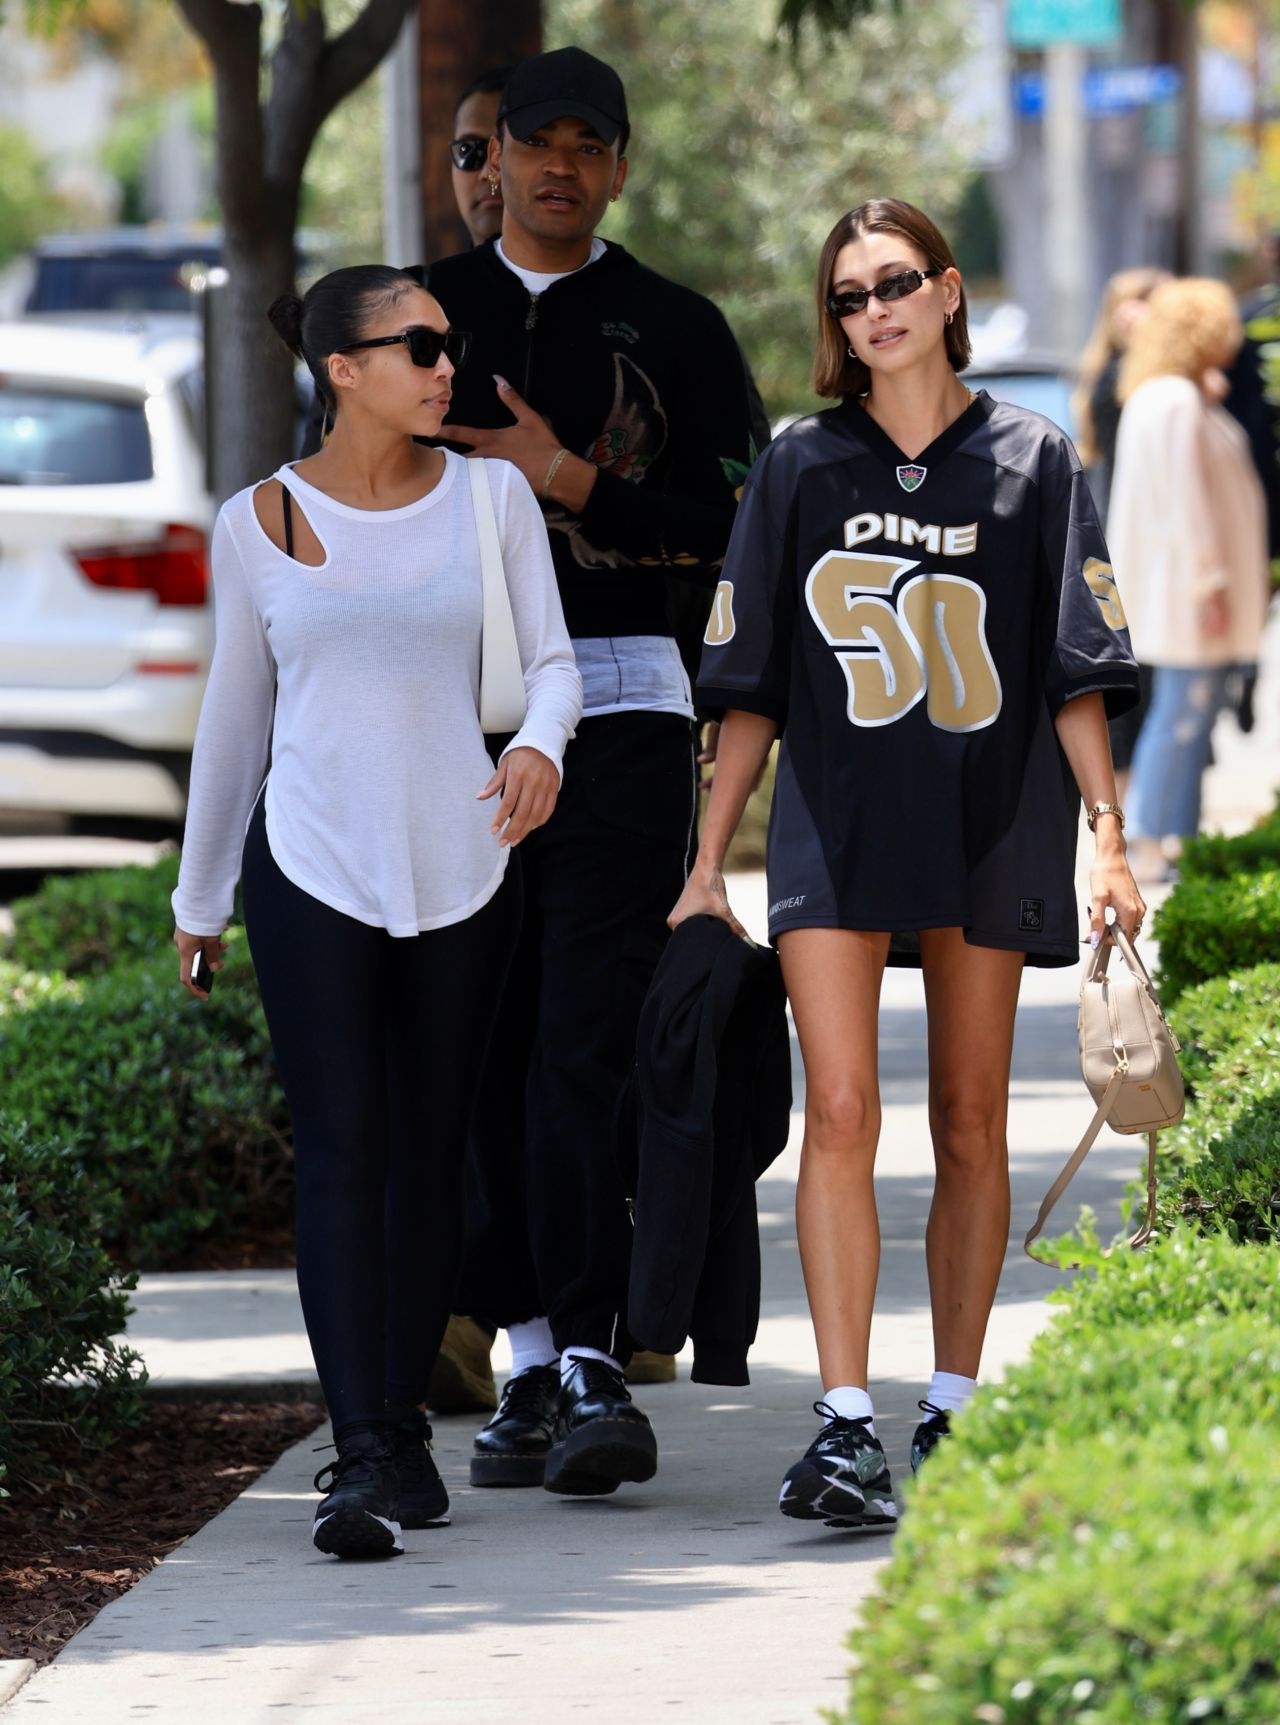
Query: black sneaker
{"type": "Point", "coordinates": [929, 1433]}
{"type": "Point", "coordinates": [601, 1437]}
{"type": "Point", "coordinates": [359, 1516]}
{"type": "Point", "coordinates": [512, 1448]}
{"type": "Point", "coordinates": [423, 1500]}
{"type": "Point", "coordinates": [843, 1479]}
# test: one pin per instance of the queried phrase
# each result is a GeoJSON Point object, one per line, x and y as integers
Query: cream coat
{"type": "Point", "coordinates": [1187, 518]}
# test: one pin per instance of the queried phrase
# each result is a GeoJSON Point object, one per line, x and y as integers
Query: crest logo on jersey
{"type": "Point", "coordinates": [1099, 578]}
{"type": "Point", "coordinates": [720, 624]}
{"type": "Point", "coordinates": [912, 476]}
{"type": "Point", "coordinates": [1031, 915]}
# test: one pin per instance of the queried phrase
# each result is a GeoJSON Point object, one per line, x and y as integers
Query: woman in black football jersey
{"type": "Point", "coordinates": [917, 595]}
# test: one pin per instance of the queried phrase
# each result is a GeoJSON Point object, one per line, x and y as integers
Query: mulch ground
{"type": "Point", "coordinates": [71, 1549]}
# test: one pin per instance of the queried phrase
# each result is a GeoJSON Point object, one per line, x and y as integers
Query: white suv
{"type": "Point", "coordinates": [105, 616]}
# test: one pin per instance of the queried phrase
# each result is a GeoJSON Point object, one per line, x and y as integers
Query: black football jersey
{"type": "Point", "coordinates": [914, 626]}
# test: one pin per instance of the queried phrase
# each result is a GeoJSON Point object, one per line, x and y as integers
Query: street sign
{"type": "Point", "coordinates": [1107, 90]}
{"type": "Point", "coordinates": [1045, 23]}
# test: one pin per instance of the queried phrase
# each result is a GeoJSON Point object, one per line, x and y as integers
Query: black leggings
{"type": "Point", "coordinates": [380, 1044]}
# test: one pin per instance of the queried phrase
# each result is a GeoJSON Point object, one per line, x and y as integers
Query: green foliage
{"type": "Point", "coordinates": [85, 924]}
{"type": "Point", "coordinates": [27, 206]}
{"type": "Point", "coordinates": [173, 1104]}
{"type": "Point", "coordinates": [1099, 1541]}
{"type": "Point", "coordinates": [743, 154]}
{"type": "Point", "coordinates": [1244, 853]}
{"type": "Point", "coordinates": [62, 1306]}
{"type": "Point", "coordinates": [1226, 1019]}
{"type": "Point", "coordinates": [1211, 925]}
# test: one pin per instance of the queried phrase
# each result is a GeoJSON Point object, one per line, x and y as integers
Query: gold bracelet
{"type": "Point", "coordinates": [1104, 809]}
{"type": "Point", "coordinates": [552, 470]}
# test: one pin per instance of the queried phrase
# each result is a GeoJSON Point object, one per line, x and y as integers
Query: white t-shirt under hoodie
{"type": "Point", "coordinates": [359, 679]}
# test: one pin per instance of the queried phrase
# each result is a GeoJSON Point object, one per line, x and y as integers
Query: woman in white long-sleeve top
{"type": "Point", "coordinates": [1188, 533]}
{"type": "Point", "coordinates": [379, 902]}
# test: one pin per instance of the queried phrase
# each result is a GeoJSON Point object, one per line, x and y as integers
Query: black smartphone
{"type": "Point", "coordinates": [201, 975]}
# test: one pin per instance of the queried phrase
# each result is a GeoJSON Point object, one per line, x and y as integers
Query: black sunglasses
{"type": "Point", "coordinates": [891, 288]}
{"type": "Point", "coordinates": [425, 345]}
{"type": "Point", "coordinates": [470, 153]}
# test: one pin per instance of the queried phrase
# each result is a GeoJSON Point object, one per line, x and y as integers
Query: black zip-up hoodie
{"type": "Point", "coordinates": [642, 377]}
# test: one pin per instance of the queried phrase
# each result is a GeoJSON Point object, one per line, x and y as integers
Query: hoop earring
{"type": "Point", "coordinates": [850, 352]}
{"type": "Point", "coordinates": [950, 317]}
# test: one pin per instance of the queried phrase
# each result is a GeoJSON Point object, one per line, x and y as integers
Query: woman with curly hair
{"type": "Point", "coordinates": [1188, 532]}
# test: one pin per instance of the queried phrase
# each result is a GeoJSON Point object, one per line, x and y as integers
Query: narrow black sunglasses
{"type": "Point", "coordinates": [470, 153]}
{"type": "Point", "coordinates": [425, 345]}
{"type": "Point", "coordinates": [891, 288]}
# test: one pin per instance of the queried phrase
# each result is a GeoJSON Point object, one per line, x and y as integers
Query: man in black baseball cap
{"type": "Point", "coordinates": [567, 81]}
{"type": "Point", "coordinates": [622, 397]}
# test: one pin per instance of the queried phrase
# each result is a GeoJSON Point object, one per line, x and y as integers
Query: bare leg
{"type": "Point", "coordinates": [833, 980]}
{"type": "Point", "coordinates": [971, 993]}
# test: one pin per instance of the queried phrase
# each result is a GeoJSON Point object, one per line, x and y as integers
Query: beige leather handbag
{"type": "Point", "coordinates": [1129, 1058]}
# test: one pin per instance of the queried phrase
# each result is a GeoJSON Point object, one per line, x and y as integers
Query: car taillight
{"type": "Point", "coordinates": [173, 568]}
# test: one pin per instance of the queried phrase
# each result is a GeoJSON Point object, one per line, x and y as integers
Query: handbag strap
{"type": "Point", "coordinates": [1071, 1167]}
{"type": "Point", "coordinates": [493, 578]}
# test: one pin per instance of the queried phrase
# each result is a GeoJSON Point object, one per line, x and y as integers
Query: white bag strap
{"type": "Point", "coordinates": [501, 673]}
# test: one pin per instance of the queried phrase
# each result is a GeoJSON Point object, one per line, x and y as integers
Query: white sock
{"type": "Point", "coordinates": [850, 1403]}
{"type": "Point", "coordinates": [949, 1391]}
{"type": "Point", "coordinates": [531, 1345]}
{"type": "Point", "coordinates": [571, 1354]}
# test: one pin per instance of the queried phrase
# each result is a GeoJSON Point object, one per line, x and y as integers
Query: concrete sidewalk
{"type": "Point", "coordinates": [691, 1594]}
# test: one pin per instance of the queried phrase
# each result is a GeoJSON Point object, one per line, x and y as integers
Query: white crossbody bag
{"type": "Point", "coordinates": [1129, 1058]}
{"type": "Point", "coordinates": [503, 703]}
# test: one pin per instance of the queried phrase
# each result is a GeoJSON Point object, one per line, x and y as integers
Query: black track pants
{"type": "Point", "coordinates": [380, 1044]}
{"type": "Point", "coordinates": [549, 1230]}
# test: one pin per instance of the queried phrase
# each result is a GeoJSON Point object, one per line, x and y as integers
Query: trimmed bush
{"type": "Point", "coordinates": [1221, 1166]}
{"type": "Point", "coordinates": [1243, 853]}
{"type": "Point", "coordinates": [172, 1104]}
{"type": "Point", "coordinates": [87, 924]}
{"type": "Point", "coordinates": [62, 1306]}
{"type": "Point", "coordinates": [1210, 926]}
{"type": "Point", "coordinates": [1099, 1541]}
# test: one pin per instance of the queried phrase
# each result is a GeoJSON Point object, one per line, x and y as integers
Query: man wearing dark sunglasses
{"type": "Point", "coordinates": [622, 397]}
{"type": "Point", "coordinates": [474, 123]}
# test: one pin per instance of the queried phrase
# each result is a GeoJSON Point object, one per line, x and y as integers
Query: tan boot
{"type": "Point", "coordinates": [647, 1368]}
{"type": "Point", "coordinates": [462, 1378]}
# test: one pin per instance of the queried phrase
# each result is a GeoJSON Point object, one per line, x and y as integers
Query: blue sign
{"type": "Point", "coordinates": [1043, 23]}
{"type": "Point", "coordinates": [1107, 90]}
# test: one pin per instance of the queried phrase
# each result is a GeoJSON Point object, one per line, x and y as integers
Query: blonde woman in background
{"type": "Point", "coordinates": [1188, 534]}
{"type": "Point", "coordinates": [1095, 405]}
{"type": "Point", "coordinates": [1095, 408]}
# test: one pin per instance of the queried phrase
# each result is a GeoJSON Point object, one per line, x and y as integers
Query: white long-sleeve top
{"type": "Point", "coordinates": [359, 679]}
{"type": "Point", "coordinates": [1187, 518]}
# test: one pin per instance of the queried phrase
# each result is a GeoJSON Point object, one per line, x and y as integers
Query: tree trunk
{"type": "Point", "coordinates": [460, 39]}
{"type": "Point", "coordinates": [261, 155]}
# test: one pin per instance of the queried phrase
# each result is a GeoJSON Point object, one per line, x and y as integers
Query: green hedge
{"type": "Point", "coordinates": [91, 923]}
{"type": "Point", "coordinates": [1243, 853]}
{"type": "Point", "coordinates": [173, 1104]}
{"type": "Point", "coordinates": [1210, 926]}
{"type": "Point", "coordinates": [1099, 1542]}
{"type": "Point", "coordinates": [62, 1306]}
{"type": "Point", "coordinates": [1221, 1166]}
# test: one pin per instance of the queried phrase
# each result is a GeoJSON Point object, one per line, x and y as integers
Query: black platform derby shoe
{"type": "Point", "coordinates": [512, 1448]}
{"type": "Point", "coordinates": [601, 1437]}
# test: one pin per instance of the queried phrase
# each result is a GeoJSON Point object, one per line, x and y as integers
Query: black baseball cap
{"type": "Point", "coordinates": [547, 87]}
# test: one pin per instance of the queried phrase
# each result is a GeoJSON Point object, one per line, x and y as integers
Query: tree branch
{"type": "Point", "coordinates": [349, 58]}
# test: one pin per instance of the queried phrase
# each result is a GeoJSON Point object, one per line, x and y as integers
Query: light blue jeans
{"type": "Point", "coordinates": [1173, 750]}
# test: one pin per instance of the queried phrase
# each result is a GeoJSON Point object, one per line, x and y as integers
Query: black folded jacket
{"type": "Point", "coordinates": [707, 1111]}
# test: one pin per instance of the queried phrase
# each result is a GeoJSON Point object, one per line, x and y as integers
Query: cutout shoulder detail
{"type": "Point", "coordinates": [282, 520]}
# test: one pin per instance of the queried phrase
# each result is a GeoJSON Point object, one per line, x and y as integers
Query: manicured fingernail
{"type": "Point", "coordinates": [501, 381]}
{"type": "Point", "coordinates": [1095, 939]}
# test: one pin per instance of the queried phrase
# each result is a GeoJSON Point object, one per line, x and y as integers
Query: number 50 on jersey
{"type": "Point", "coordinates": [900, 642]}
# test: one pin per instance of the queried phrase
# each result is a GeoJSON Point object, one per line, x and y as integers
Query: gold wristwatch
{"type": "Point", "coordinates": [1091, 815]}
